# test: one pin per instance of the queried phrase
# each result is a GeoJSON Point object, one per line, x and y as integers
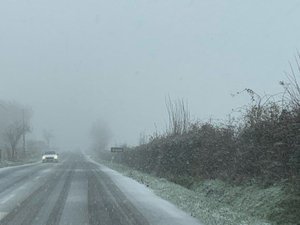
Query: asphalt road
{"type": "Point", "coordinates": [74, 191]}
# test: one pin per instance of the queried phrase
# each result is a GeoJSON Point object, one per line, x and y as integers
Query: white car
{"type": "Point", "coordinates": [50, 156]}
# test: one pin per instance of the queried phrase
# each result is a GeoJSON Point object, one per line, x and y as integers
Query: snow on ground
{"type": "Point", "coordinates": [6, 165]}
{"type": "Point", "coordinates": [155, 209]}
{"type": "Point", "coordinates": [208, 209]}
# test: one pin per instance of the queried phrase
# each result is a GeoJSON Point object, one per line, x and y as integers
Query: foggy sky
{"type": "Point", "coordinates": [75, 62]}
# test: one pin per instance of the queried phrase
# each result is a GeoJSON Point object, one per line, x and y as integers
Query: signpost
{"type": "Point", "coordinates": [117, 149]}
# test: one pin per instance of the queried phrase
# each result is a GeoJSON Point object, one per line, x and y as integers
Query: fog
{"type": "Point", "coordinates": [75, 62]}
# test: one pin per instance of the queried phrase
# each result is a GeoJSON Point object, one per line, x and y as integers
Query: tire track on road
{"type": "Point", "coordinates": [10, 170]}
{"type": "Point", "coordinates": [27, 210]}
{"type": "Point", "coordinates": [20, 178]}
{"type": "Point", "coordinates": [107, 205]}
{"type": "Point", "coordinates": [55, 215]}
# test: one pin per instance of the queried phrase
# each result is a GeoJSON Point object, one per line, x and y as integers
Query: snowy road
{"type": "Point", "coordinates": [79, 191]}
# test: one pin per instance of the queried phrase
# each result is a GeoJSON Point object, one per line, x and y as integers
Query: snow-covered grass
{"type": "Point", "coordinates": [213, 201]}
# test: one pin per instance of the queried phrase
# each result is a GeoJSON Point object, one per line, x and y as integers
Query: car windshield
{"type": "Point", "coordinates": [50, 153]}
{"type": "Point", "coordinates": [149, 112]}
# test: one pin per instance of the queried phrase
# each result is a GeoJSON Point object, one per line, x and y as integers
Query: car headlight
{"type": "Point", "coordinates": [55, 157]}
{"type": "Point", "coordinates": [44, 157]}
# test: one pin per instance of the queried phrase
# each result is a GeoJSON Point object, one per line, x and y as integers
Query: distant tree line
{"type": "Point", "coordinates": [263, 144]}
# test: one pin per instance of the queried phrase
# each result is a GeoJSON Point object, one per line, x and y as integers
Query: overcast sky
{"type": "Point", "coordinates": [78, 61]}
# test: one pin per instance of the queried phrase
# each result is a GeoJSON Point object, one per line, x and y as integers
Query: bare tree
{"type": "Point", "coordinates": [143, 139]}
{"type": "Point", "coordinates": [14, 124]}
{"type": "Point", "coordinates": [13, 134]}
{"type": "Point", "coordinates": [100, 135]}
{"type": "Point", "coordinates": [179, 116]}
{"type": "Point", "coordinates": [291, 86]}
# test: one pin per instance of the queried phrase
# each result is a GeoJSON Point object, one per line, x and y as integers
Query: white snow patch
{"type": "Point", "coordinates": [4, 169]}
{"type": "Point", "coordinates": [156, 210]}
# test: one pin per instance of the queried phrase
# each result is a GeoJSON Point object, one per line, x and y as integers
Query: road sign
{"type": "Point", "coordinates": [117, 149]}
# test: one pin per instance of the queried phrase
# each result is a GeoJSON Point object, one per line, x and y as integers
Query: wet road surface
{"type": "Point", "coordinates": [74, 191]}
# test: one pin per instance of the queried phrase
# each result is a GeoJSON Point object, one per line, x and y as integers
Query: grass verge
{"type": "Point", "coordinates": [216, 202]}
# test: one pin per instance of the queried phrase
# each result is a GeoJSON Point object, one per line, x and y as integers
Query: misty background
{"type": "Point", "coordinates": [78, 62]}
